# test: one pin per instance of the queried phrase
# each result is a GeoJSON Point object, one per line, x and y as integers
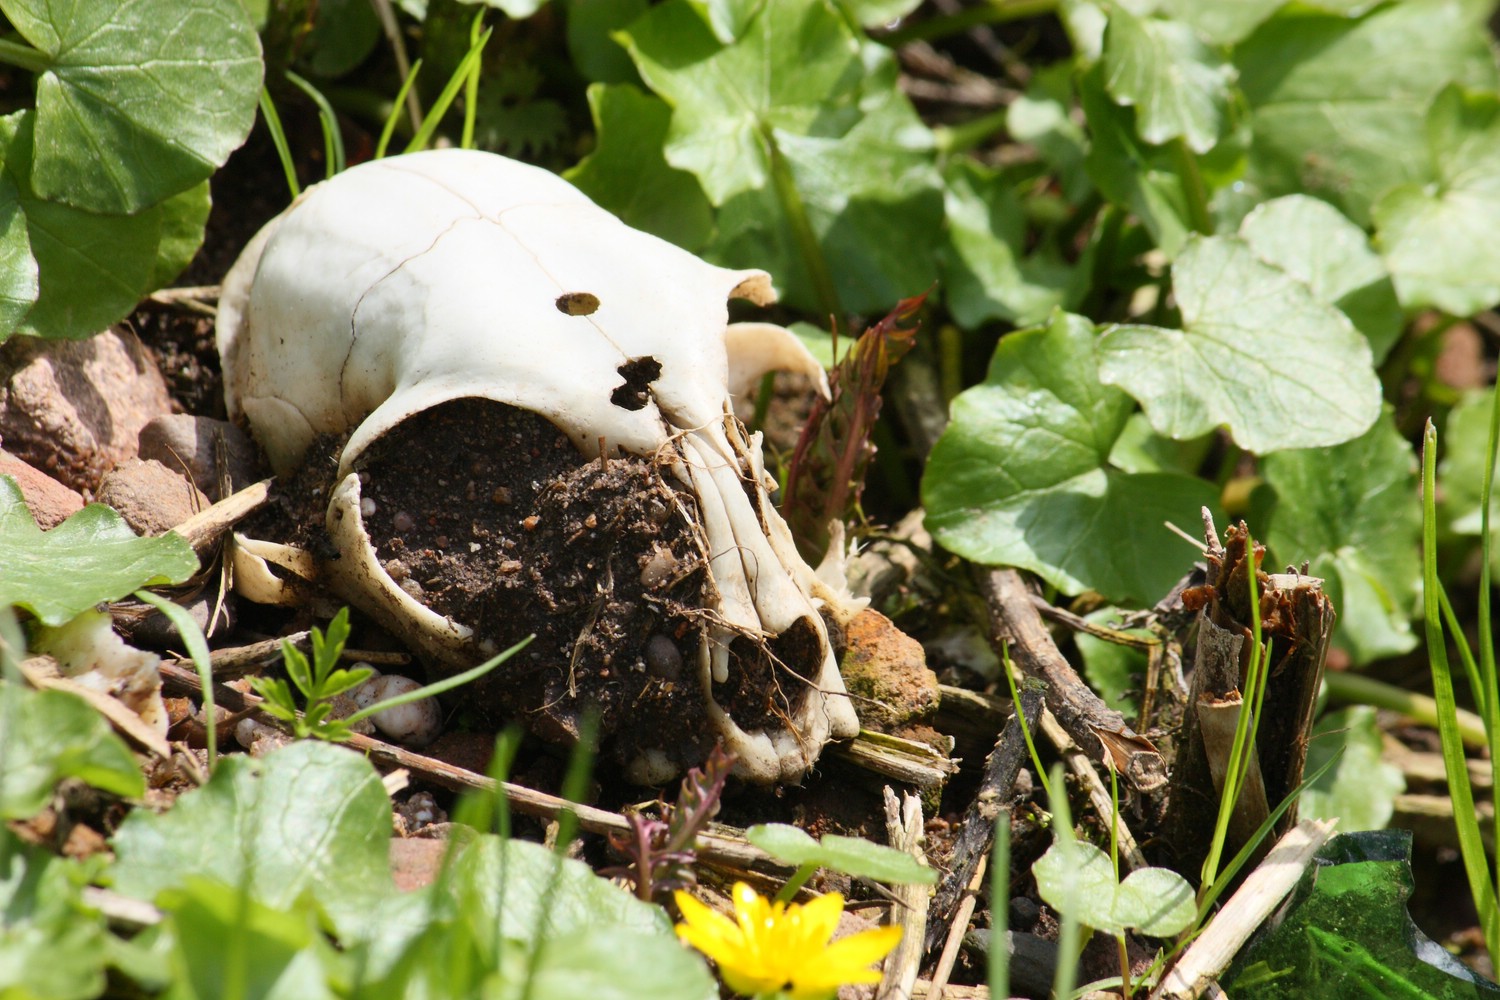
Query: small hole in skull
{"type": "Point", "coordinates": [578, 303]}
{"type": "Point", "coordinates": [638, 374]}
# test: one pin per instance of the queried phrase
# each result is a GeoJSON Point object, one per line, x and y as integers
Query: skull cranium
{"type": "Point", "coordinates": [410, 283]}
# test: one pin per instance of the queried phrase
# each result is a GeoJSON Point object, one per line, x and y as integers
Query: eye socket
{"type": "Point", "coordinates": [578, 303]}
{"type": "Point", "coordinates": [638, 374]}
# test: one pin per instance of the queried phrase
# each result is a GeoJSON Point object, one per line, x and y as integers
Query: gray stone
{"type": "Point", "coordinates": [186, 443]}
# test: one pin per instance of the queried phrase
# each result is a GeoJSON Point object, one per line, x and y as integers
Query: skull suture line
{"type": "Point", "coordinates": [411, 283]}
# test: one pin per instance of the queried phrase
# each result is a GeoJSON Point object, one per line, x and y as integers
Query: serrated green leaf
{"type": "Point", "coordinates": [51, 944]}
{"type": "Point", "coordinates": [51, 735]}
{"type": "Point", "coordinates": [986, 276]}
{"type": "Point", "coordinates": [1177, 85]}
{"type": "Point", "coordinates": [91, 557]}
{"type": "Point", "coordinates": [1436, 235]}
{"type": "Point", "coordinates": [1338, 103]}
{"type": "Point", "coordinates": [1313, 242]}
{"type": "Point", "coordinates": [1350, 511]}
{"type": "Point", "coordinates": [627, 174]}
{"type": "Point", "coordinates": [858, 189]}
{"type": "Point", "coordinates": [307, 818]}
{"type": "Point", "coordinates": [850, 855]}
{"type": "Point", "coordinates": [1257, 353]}
{"type": "Point", "coordinates": [1020, 477]}
{"type": "Point", "coordinates": [1360, 790]}
{"type": "Point", "coordinates": [140, 100]}
{"type": "Point", "coordinates": [795, 70]}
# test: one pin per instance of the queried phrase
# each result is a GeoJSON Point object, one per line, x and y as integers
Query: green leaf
{"type": "Point", "coordinates": [18, 267]}
{"type": "Point", "coordinates": [226, 945]}
{"type": "Point", "coordinates": [141, 99]}
{"type": "Point", "coordinates": [796, 70]}
{"type": "Point", "coordinates": [1042, 118]}
{"type": "Point", "coordinates": [51, 944]}
{"type": "Point", "coordinates": [1257, 353]}
{"type": "Point", "coordinates": [595, 54]}
{"type": "Point", "coordinates": [51, 735]}
{"type": "Point", "coordinates": [615, 963]}
{"type": "Point", "coordinates": [1436, 234]}
{"type": "Point", "coordinates": [986, 276]}
{"type": "Point", "coordinates": [850, 855]}
{"type": "Point", "coordinates": [343, 33]}
{"type": "Point", "coordinates": [1078, 879]}
{"type": "Point", "coordinates": [1225, 21]}
{"type": "Point", "coordinates": [183, 217]}
{"type": "Point", "coordinates": [1349, 510]}
{"type": "Point", "coordinates": [1178, 86]}
{"type": "Point", "coordinates": [1313, 242]}
{"type": "Point", "coordinates": [91, 269]}
{"type": "Point", "coordinates": [1461, 471]}
{"type": "Point", "coordinates": [1020, 477]}
{"type": "Point", "coordinates": [1112, 669]}
{"type": "Point", "coordinates": [91, 557]}
{"type": "Point", "coordinates": [857, 190]}
{"type": "Point", "coordinates": [1360, 790]}
{"type": "Point", "coordinates": [1338, 103]}
{"type": "Point", "coordinates": [627, 174]}
{"type": "Point", "coordinates": [1140, 179]}
{"type": "Point", "coordinates": [1345, 932]}
{"type": "Point", "coordinates": [879, 13]}
{"type": "Point", "coordinates": [308, 818]}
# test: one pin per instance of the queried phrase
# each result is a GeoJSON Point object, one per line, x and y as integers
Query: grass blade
{"type": "Point", "coordinates": [333, 139]}
{"type": "Point", "coordinates": [278, 137]}
{"type": "Point", "coordinates": [197, 650]}
{"type": "Point", "coordinates": [395, 115]}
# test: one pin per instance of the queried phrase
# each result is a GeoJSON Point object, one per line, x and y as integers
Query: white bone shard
{"type": "Point", "coordinates": [422, 279]}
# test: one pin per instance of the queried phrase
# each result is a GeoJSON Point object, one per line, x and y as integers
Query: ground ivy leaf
{"type": "Point", "coordinates": [627, 174]}
{"type": "Point", "coordinates": [1113, 669]}
{"type": "Point", "coordinates": [18, 269]}
{"type": "Point", "coordinates": [1178, 86]}
{"type": "Point", "coordinates": [1350, 510]}
{"type": "Point", "coordinates": [850, 855]}
{"type": "Point", "coordinates": [1437, 236]}
{"type": "Point", "coordinates": [1360, 790]}
{"type": "Point", "coordinates": [308, 818]}
{"type": "Point", "coordinates": [615, 963]}
{"type": "Point", "coordinates": [986, 276]}
{"type": "Point", "coordinates": [1155, 901]}
{"type": "Point", "coordinates": [1078, 880]}
{"type": "Point", "coordinates": [51, 944]}
{"type": "Point", "coordinates": [1465, 439]}
{"type": "Point", "coordinates": [1257, 353]}
{"type": "Point", "coordinates": [93, 556]}
{"type": "Point", "coordinates": [857, 189]}
{"type": "Point", "coordinates": [141, 99]}
{"type": "Point", "coordinates": [1020, 477]}
{"type": "Point", "coordinates": [599, 57]}
{"type": "Point", "coordinates": [1316, 244]}
{"type": "Point", "coordinates": [1135, 177]}
{"type": "Point", "coordinates": [1338, 103]}
{"type": "Point", "coordinates": [183, 217]}
{"type": "Point", "coordinates": [51, 735]}
{"type": "Point", "coordinates": [795, 69]}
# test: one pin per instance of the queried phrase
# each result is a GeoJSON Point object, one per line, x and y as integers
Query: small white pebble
{"type": "Point", "coordinates": [416, 724]}
{"type": "Point", "coordinates": [475, 546]}
{"type": "Point", "coordinates": [403, 522]}
{"type": "Point", "coordinates": [366, 507]}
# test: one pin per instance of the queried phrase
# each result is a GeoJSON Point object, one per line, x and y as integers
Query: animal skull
{"type": "Point", "coordinates": [415, 281]}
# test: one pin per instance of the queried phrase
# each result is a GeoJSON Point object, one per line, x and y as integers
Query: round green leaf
{"type": "Point", "coordinates": [343, 34]}
{"type": "Point", "coordinates": [183, 217]}
{"type": "Point", "coordinates": [1360, 790]}
{"type": "Point", "coordinates": [1021, 477]}
{"type": "Point", "coordinates": [1178, 86]}
{"type": "Point", "coordinates": [616, 963]}
{"type": "Point", "coordinates": [18, 269]}
{"type": "Point", "coordinates": [1338, 103]}
{"type": "Point", "coordinates": [91, 557]}
{"type": "Point", "coordinates": [1351, 511]}
{"type": "Point", "coordinates": [1257, 353]}
{"type": "Point", "coordinates": [140, 99]}
{"type": "Point", "coordinates": [1437, 235]}
{"type": "Point", "coordinates": [1314, 243]}
{"type": "Point", "coordinates": [627, 174]}
{"type": "Point", "coordinates": [1077, 879]}
{"type": "Point", "coordinates": [850, 855]}
{"type": "Point", "coordinates": [1155, 901]}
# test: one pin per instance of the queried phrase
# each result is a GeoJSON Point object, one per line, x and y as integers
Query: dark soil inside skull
{"type": "Point", "coordinates": [488, 514]}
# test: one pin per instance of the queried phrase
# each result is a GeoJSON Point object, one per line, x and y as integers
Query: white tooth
{"type": "Point", "coordinates": [418, 280]}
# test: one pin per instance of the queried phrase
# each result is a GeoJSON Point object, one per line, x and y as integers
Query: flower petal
{"type": "Point", "coordinates": [848, 960]}
{"type": "Point", "coordinates": [709, 931]}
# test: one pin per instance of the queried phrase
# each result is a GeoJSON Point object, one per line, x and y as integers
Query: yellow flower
{"type": "Point", "coordinates": [774, 947]}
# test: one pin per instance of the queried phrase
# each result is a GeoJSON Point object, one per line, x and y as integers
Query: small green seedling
{"type": "Point", "coordinates": [319, 683]}
{"type": "Point", "coordinates": [850, 855]}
